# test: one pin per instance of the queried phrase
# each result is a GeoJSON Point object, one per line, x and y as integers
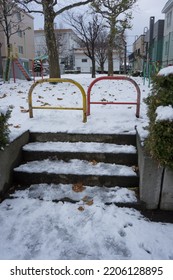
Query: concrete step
{"type": "Point", "coordinates": [119, 139]}
{"type": "Point", "coordinates": [78, 193]}
{"type": "Point", "coordinates": [100, 152]}
{"type": "Point", "coordinates": [75, 171]}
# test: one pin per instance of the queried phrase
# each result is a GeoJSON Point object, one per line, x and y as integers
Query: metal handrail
{"type": "Point", "coordinates": [58, 80]}
{"type": "Point", "coordinates": [137, 103]}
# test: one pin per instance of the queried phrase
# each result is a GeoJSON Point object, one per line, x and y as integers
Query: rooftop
{"type": "Point", "coordinates": [168, 6]}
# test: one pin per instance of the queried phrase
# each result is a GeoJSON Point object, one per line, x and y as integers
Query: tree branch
{"type": "Point", "coordinates": [71, 6]}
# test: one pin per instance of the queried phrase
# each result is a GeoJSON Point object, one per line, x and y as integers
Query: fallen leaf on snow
{"type": "Point", "coordinates": [80, 208]}
{"type": "Point", "coordinates": [135, 168]}
{"type": "Point", "coordinates": [17, 126]}
{"type": "Point", "coordinates": [24, 110]}
{"type": "Point", "coordinates": [45, 104]}
{"type": "Point", "coordinates": [78, 187]}
{"type": "Point", "coordinates": [103, 100]}
{"type": "Point", "coordinates": [4, 95]}
{"type": "Point", "coordinates": [89, 202]}
{"type": "Point", "coordinates": [93, 162]}
{"type": "Point", "coordinates": [85, 198]}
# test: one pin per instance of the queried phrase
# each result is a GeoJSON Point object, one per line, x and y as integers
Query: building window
{"type": "Point", "coordinates": [169, 19]}
{"type": "Point", "coordinates": [20, 49]}
{"type": "Point", "coordinates": [84, 59]}
{"type": "Point", "coordinates": [18, 14]}
{"type": "Point", "coordinates": [20, 33]}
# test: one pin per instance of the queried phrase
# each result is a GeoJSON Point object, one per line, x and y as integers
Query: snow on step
{"type": "Point", "coordinates": [79, 147]}
{"type": "Point", "coordinates": [76, 167]}
{"type": "Point", "coordinates": [54, 192]}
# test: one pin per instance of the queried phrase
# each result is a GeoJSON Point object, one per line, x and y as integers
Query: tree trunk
{"type": "Point", "coordinates": [93, 66]}
{"type": "Point", "coordinates": [110, 53]}
{"type": "Point", "coordinates": [102, 67]}
{"type": "Point", "coordinates": [53, 55]}
{"type": "Point", "coordinates": [111, 46]}
{"type": "Point", "coordinates": [110, 62]}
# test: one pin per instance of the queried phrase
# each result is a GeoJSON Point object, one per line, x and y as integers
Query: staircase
{"type": "Point", "coordinates": [22, 69]}
{"type": "Point", "coordinates": [101, 161]}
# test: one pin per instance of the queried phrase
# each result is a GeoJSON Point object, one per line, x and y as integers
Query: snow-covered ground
{"type": "Point", "coordinates": [34, 225]}
{"type": "Point", "coordinates": [103, 119]}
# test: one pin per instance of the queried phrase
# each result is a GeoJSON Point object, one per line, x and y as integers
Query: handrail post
{"type": "Point", "coordinates": [137, 103]}
{"type": "Point", "coordinates": [58, 80]}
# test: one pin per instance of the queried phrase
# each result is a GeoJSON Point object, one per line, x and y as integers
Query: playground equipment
{"type": "Point", "coordinates": [37, 66]}
{"type": "Point", "coordinates": [137, 102]}
{"type": "Point", "coordinates": [10, 63]}
{"type": "Point", "coordinates": [58, 80]}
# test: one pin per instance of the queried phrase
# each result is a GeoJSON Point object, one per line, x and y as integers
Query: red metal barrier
{"type": "Point", "coordinates": [137, 103]}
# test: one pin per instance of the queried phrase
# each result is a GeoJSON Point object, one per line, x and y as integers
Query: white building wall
{"type": "Point", "coordinates": [84, 65]}
{"type": "Point", "coordinates": [116, 63]}
{"type": "Point", "coordinates": [167, 57]}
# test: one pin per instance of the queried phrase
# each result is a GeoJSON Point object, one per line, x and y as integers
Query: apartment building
{"type": "Point", "coordinates": [153, 42]}
{"type": "Point", "coordinates": [148, 48]}
{"type": "Point", "coordinates": [137, 57]}
{"type": "Point", "coordinates": [167, 57]}
{"type": "Point", "coordinates": [66, 41]}
{"type": "Point", "coordinates": [21, 42]}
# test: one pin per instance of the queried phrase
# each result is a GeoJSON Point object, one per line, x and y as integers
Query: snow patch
{"type": "Point", "coordinates": [166, 71]}
{"type": "Point", "coordinates": [164, 113]}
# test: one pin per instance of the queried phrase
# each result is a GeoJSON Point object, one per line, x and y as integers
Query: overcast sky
{"type": "Point", "coordinates": [142, 12]}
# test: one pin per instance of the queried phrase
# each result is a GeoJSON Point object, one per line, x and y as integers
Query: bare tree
{"type": "Point", "coordinates": [111, 10]}
{"type": "Point", "coordinates": [51, 9]}
{"type": "Point", "coordinates": [87, 33]}
{"type": "Point", "coordinates": [101, 49]}
{"type": "Point", "coordinates": [11, 20]}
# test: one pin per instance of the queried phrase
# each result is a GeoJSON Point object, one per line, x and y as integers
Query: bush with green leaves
{"type": "Point", "coordinates": [159, 142]}
{"type": "Point", "coordinates": [4, 129]}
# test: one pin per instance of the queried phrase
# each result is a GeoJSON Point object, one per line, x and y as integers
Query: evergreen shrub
{"type": "Point", "coordinates": [4, 129]}
{"type": "Point", "coordinates": [159, 142]}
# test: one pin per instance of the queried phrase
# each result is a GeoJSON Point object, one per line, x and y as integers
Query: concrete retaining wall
{"type": "Point", "coordinates": [156, 182]}
{"type": "Point", "coordinates": [150, 174]}
{"type": "Point", "coordinates": [10, 157]}
{"type": "Point", "coordinates": [167, 190]}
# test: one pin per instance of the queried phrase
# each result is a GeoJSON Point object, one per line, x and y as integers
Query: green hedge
{"type": "Point", "coordinates": [4, 130]}
{"type": "Point", "coordinates": [159, 142]}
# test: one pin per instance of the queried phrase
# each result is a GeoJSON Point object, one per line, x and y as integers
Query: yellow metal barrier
{"type": "Point", "coordinates": [58, 80]}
